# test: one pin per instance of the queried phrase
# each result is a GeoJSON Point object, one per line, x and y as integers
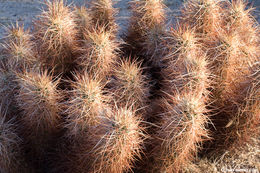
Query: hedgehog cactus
{"type": "Point", "coordinates": [19, 48]}
{"type": "Point", "coordinates": [98, 52]}
{"type": "Point", "coordinates": [103, 15]}
{"type": "Point", "coordinates": [84, 101]}
{"type": "Point", "coordinates": [11, 155]}
{"type": "Point", "coordinates": [130, 85]}
{"type": "Point", "coordinates": [55, 33]}
{"type": "Point", "coordinates": [206, 16]}
{"type": "Point", "coordinates": [146, 29]}
{"type": "Point", "coordinates": [112, 145]}
{"type": "Point", "coordinates": [184, 114]}
{"type": "Point", "coordinates": [38, 98]}
{"type": "Point", "coordinates": [86, 104]}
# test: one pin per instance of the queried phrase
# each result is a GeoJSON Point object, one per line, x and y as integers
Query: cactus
{"type": "Point", "coordinates": [83, 21]}
{"type": "Point", "coordinates": [112, 145]}
{"type": "Point", "coordinates": [19, 48]}
{"type": "Point", "coordinates": [38, 99]}
{"type": "Point", "coordinates": [130, 86]}
{"type": "Point", "coordinates": [75, 98]}
{"type": "Point", "coordinates": [232, 49]}
{"type": "Point", "coordinates": [103, 15]}
{"type": "Point", "coordinates": [146, 29]}
{"type": "Point", "coordinates": [98, 52]}
{"type": "Point", "coordinates": [7, 92]}
{"type": "Point", "coordinates": [11, 155]}
{"type": "Point", "coordinates": [86, 104]}
{"type": "Point", "coordinates": [184, 114]}
{"type": "Point", "coordinates": [55, 33]}
{"type": "Point", "coordinates": [206, 16]}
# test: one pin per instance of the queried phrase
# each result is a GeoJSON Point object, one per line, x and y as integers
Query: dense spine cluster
{"type": "Point", "coordinates": [183, 106]}
{"type": "Point", "coordinates": [74, 98]}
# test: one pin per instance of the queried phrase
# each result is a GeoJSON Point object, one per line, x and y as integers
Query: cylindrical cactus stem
{"type": "Point", "coordinates": [38, 98]}
{"type": "Point", "coordinates": [8, 88]}
{"type": "Point", "coordinates": [187, 65]}
{"type": "Point", "coordinates": [19, 49]}
{"type": "Point", "coordinates": [239, 18]}
{"type": "Point", "coordinates": [182, 131]}
{"type": "Point", "coordinates": [206, 16]}
{"type": "Point", "coordinates": [233, 73]}
{"type": "Point", "coordinates": [242, 123]}
{"type": "Point", "coordinates": [98, 53]}
{"type": "Point", "coordinates": [146, 28]}
{"type": "Point", "coordinates": [55, 33]}
{"type": "Point", "coordinates": [85, 106]}
{"type": "Point", "coordinates": [183, 106]}
{"type": "Point", "coordinates": [112, 145]}
{"type": "Point", "coordinates": [245, 125]}
{"type": "Point", "coordinates": [11, 154]}
{"type": "Point", "coordinates": [130, 85]}
{"type": "Point", "coordinates": [83, 21]}
{"type": "Point", "coordinates": [103, 15]}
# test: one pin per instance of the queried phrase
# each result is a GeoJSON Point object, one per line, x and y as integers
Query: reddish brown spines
{"type": "Point", "coordinates": [146, 28]}
{"type": "Point", "coordinates": [83, 21]}
{"type": "Point", "coordinates": [8, 88]}
{"type": "Point", "coordinates": [19, 49]}
{"type": "Point", "coordinates": [236, 57]}
{"type": "Point", "coordinates": [239, 19]}
{"type": "Point", "coordinates": [11, 154]}
{"type": "Point", "coordinates": [55, 33]}
{"type": "Point", "coordinates": [103, 15]}
{"type": "Point", "coordinates": [38, 99]}
{"type": "Point", "coordinates": [182, 130]}
{"type": "Point", "coordinates": [86, 104]}
{"type": "Point", "coordinates": [206, 16]}
{"type": "Point", "coordinates": [130, 85]}
{"type": "Point", "coordinates": [112, 145]}
{"type": "Point", "coordinates": [187, 65]}
{"type": "Point", "coordinates": [98, 52]}
{"type": "Point", "coordinates": [183, 106]}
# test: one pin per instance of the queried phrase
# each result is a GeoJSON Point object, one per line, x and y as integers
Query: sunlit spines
{"type": "Point", "coordinates": [83, 20]}
{"type": "Point", "coordinates": [38, 100]}
{"type": "Point", "coordinates": [181, 133]}
{"type": "Point", "coordinates": [183, 112]}
{"type": "Point", "coordinates": [86, 104]}
{"type": "Point", "coordinates": [243, 125]}
{"type": "Point", "coordinates": [103, 15]}
{"type": "Point", "coordinates": [233, 74]}
{"type": "Point", "coordinates": [130, 84]}
{"type": "Point", "coordinates": [114, 144]}
{"type": "Point", "coordinates": [206, 16]}
{"type": "Point", "coordinates": [239, 18]}
{"type": "Point", "coordinates": [146, 28]}
{"type": "Point", "coordinates": [234, 56]}
{"type": "Point", "coordinates": [55, 33]}
{"type": "Point", "coordinates": [19, 48]}
{"type": "Point", "coordinates": [147, 14]}
{"type": "Point", "coordinates": [98, 52]}
{"type": "Point", "coordinates": [187, 65]}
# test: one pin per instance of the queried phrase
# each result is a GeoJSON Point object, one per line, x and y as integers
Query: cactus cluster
{"type": "Point", "coordinates": [77, 98]}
